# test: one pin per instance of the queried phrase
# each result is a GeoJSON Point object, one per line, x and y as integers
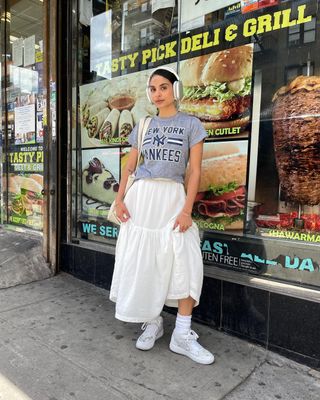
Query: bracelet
{"type": "Point", "coordinates": [185, 213]}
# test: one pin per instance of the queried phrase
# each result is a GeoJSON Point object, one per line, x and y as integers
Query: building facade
{"type": "Point", "coordinates": [73, 87]}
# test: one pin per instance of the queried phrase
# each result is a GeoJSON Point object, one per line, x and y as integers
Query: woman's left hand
{"type": "Point", "coordinates": [184, 221]}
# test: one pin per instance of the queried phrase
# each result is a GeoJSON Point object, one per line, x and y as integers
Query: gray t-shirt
{"type": "Point", "coordinates": [166, 146]}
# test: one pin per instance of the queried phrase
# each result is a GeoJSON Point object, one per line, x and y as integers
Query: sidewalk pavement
{"type": "Point", "coordinates": [59, 341]}
{"type": "Point", "coordinates": [21, 259]}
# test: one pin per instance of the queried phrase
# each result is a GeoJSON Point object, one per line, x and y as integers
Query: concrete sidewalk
{"type": "Point", "coordinates": [21, 259]}
{"type": "Point", "coordinates": [59, 341]}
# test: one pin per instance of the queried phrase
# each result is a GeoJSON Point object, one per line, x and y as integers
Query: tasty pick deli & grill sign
{"type": "Point", "coordinates": [209, 39]}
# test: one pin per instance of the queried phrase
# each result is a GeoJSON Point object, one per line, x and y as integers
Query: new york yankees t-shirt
{"type": "Point", "coordinates": [166, 146]}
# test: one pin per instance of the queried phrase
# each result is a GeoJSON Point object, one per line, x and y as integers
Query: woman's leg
{"type": "Point", "coordinates": [185, 306]}
{"type": "Point", "coordinates": [183, 339]}
{"type": "Point", "coordinates": [184, 315]}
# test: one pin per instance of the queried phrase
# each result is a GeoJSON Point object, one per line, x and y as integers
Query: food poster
{"type": "Point", "coordinates": [110, 109]}
{"type": "Point", "coordinates": [221, 200]}
{"type": "Point", "coordinates": [218, 90]}
{"type": "Point", "coordinates": [287, 200]}
{"type": "Point", "coordinates": [25, 186]}
{"type": "Point", "coordinates": [100, 184]}
{"type": "Point", "coordinates": [100, 180]}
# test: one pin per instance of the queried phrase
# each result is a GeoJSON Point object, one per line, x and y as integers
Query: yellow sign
{"type": "Point", "coordinates": [209, 39]}
{"type": "Point", "coordinates": [39, 56]}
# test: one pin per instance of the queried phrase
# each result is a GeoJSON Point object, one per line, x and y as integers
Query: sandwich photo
{"type": "Point", "coordinates": [96, 121]}
{"type": "Point", "coordinates": [217, 87]}
{"type": "Point", "coordinates": [109, 126]}
{"type": "Point", "coordinates": [89, 111]}
{"type": "Point", "coordinates": [125, 124]}
{"type": "Point", "coordinates": [110, 109]}
{"type": "Point", "coordinates": [220, 201]}
{"type": "Point", "coordinates": [25, 194]}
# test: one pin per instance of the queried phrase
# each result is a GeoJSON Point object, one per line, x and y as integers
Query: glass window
{"type": "Point", "coordinates": [248, 77]}
{"type": "Point", "coordinates": [308, 26]}
{"type": "Point", "coordinates": [305, 33]}
{"type": "Point", "coordinates": [309, 36]}
{"type": "Point", "coordinates": [23, 114]}
{"type": "Point", "coordinates": [294, 39]}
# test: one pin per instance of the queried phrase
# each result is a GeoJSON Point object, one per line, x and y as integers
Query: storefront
{"type": "Point", "coordinates": [28, 139]}
{"type": "Point", "coordinates": [251, 74]}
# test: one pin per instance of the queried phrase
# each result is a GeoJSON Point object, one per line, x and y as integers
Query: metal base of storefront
{"type": "Point", "coordinates": [21, 259]}
{"type": "Point", "coordinates": [281, 322]}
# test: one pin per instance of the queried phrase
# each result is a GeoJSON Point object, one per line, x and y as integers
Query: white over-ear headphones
{"type": "Point", "coordinates": [177, 85]}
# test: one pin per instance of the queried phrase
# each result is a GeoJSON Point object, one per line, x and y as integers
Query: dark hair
{"type": "Point", "coordinates": [166, 74]}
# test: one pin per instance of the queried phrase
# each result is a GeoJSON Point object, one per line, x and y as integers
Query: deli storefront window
{"type": "Point", "coordinates": [251, 74]}
{"type": "Point", "coordinates": [23, 115]}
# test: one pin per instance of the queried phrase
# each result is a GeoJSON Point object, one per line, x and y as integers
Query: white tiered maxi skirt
{"type": "Point", "coordinates": [155, 265]}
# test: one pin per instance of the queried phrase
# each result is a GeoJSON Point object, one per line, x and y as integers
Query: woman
{"type": "Point", "coordinates": [158, 257]}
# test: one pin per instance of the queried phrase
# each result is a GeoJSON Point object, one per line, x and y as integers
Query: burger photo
{"type": "Point", "coordinates": [25, 193]}
{"type": "Point", "coordinates": [217, 87]}
{"type": "Point", "coordinates": [220, 202]}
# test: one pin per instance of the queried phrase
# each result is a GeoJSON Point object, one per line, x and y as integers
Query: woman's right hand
{"type": "Point", "coordinates": [122, 212]}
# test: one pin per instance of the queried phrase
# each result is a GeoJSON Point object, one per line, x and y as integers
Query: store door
{"type": "Point", "coordinates": [28, 139]}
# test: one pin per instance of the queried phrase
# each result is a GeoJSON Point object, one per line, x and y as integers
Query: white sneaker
{"type": "Point", "coordinates": [187, 345]}
{"type": "Point", "coordinates": [153, 330]}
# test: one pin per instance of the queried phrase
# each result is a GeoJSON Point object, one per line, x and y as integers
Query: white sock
{"type": "Point", "coordinates": [183, 324]}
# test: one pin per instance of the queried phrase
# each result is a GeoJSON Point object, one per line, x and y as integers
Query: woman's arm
{"type": "Point", "coordinates": [121, 209]}
{"type": "Point", "coordinates": [184, 218]}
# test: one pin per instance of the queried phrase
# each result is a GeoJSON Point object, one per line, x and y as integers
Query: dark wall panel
{"type": "Point", "coordinates": [245, 311]}
{"type": "Point", "coordinates": [294, 326]}
{"type": "Point", "coordinates": [209, 308]}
